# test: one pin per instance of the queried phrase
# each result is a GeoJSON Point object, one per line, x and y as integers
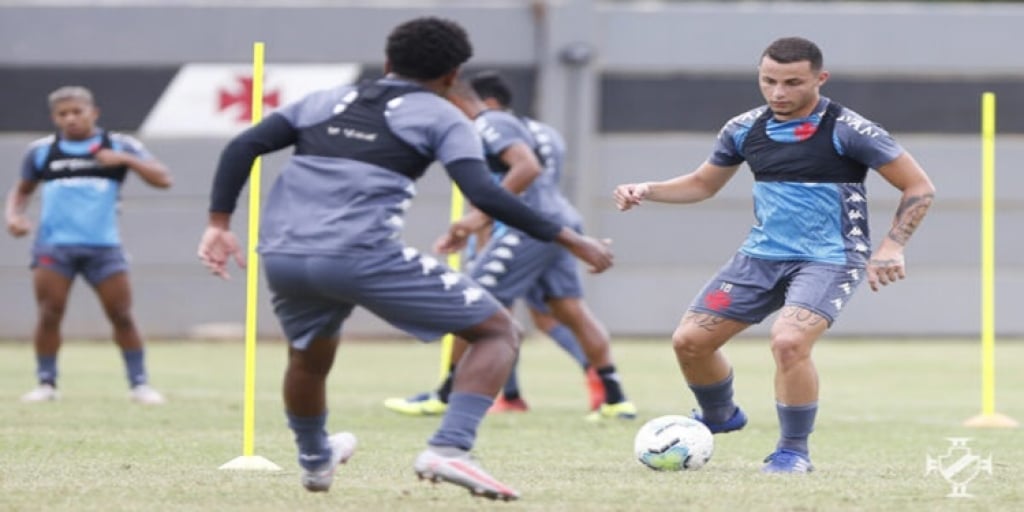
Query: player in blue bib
{"type": "Point", "coordinates": [330, 240]}
{"type": "Point", "coordinates": [80, 170]}
{"type": "Point", "coordinates": [808, 249]}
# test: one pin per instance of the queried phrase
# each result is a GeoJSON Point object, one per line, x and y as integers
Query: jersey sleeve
{"type": "Point", "coordinates": [501, 130]}
{"type": "Point", "coordinates": [131, 145]}
{"type": "Point", "coordinates": [728, 149]}
{"type": "Point", "coordinates": [864, 141]}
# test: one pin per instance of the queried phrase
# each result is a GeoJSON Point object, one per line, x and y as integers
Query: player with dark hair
{"type": "Point", "coordinates": [808, 249]}
{"type": "Point", "coordinates": [330, 240]}
{"type": "Point", "coordinates": [81, 168]}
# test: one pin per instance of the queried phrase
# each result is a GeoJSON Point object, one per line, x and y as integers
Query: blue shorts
{"type": "Point", "coordinates": [748, 289]}
{"type": "Point", "coordinates": [313, 295]}
{"type": "Point", "coordinates": [95, 263]}
{"type": "Point", "coordinates": [514, 265]}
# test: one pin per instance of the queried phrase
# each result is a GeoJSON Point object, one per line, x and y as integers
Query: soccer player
{"type": "Point", "coordinates": [542, 149]}
{"type": "Point", "coordinates": [81, 168]}
{"type": "Point", "coordinates": [808, 249]}
{"type": "Point", "coordinates": [330, 240]}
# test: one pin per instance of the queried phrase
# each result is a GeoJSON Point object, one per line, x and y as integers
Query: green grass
{"type": "Point", "coordinates": [885, 407]}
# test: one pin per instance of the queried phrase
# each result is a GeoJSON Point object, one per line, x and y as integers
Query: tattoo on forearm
{"type": "Point", "coordinates": [800, 318]}
{"type": "Point", "coordinates": [703, 320]}
{"type": "Point", "coordinates": [908, 216]}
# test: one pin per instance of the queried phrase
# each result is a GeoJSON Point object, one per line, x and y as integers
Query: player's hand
{"type": "Point", "coordinates": [19, 226]}
{"type": "Point", "coordinates": [594, 252]}
{"type": "Point", "coordinates": [109, 158]}
{"type": "Point", "coordinates": [630, 195]}
{"type": "Point", "coordinates": [885, 267]}
{"type": "Point", "coordinates": [216, 248]}
{"type": "Point", "coordinates": [459, 231]}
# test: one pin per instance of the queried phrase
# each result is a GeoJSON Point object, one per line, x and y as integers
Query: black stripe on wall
{"type": "Point", "coordinates": [703, 103]}
{"type": "Point", "coordinates": [125, 95]}
{"type": "Point", "coordinates": [521, 80]}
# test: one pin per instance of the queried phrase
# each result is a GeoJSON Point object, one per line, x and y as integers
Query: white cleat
{"type": "Point", "coordinates": [456, 466]}
{"type": "Point", "coordinates": [146, 395]}
{"type": "Point", "coordinates": [43, 393]}
{"type": "Point", "coordinates": [343, 445]}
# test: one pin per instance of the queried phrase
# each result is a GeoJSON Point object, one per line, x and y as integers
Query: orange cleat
{"type": "Point", "coordinates": [503, 405]}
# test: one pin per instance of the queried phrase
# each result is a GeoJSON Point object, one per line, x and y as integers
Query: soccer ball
{"type": "Point", "coordinates": [673, 443]}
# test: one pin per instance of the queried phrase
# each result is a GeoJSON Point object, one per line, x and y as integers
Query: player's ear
{"type": "Point", "coordinates": [822, 77]}
{"type": "Point", "coordinates": [387, 66]}
{"type": "Point", "coordinates": [448, 79]}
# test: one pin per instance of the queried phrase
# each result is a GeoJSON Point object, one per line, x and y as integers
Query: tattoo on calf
{"type": "Point", "coordinates": [908, 216]}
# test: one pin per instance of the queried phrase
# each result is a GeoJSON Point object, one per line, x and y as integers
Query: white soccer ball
{"type": "Point", "coordinates": [673, 443]}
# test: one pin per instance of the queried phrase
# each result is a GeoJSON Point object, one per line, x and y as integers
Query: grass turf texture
{"type": "Point", "coordinates": [885, 407]}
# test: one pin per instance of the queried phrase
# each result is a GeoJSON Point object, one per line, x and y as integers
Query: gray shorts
{"type": "Point", "coordinates": [313, 295]}
{"type": "Point", "coordinates": [749, 289]}
{"type": "Point", "coordinates": [513, 265]}
{"type": "Point", "coordinates": [95, 263]}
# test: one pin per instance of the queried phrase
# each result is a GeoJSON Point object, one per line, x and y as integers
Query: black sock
{"type": "Point", "coordinates": [612, 389]}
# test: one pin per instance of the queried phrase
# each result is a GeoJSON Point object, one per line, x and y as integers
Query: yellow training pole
{"type": "Point", "coordinates": [454, 261]}
{"type": "Point", "coordinates": [249, 460]}
{"type": "Point", "coordinates": [988, 417]}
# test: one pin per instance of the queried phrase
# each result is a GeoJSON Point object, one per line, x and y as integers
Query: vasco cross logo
{"type": "Point", "coordinates": [959, 466]}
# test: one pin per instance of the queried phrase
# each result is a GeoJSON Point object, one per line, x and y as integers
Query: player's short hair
{"type": "Point", "coordinates": [70, 92]}
{"type": "Point", "coordinates": [427, 48]}
{"type": "Point", "coordinates": [489, 84]}
{"type": "Point", "coordinates": [795, 49]}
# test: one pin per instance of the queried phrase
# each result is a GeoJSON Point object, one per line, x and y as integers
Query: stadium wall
{"type": "Point", "coordinates": [639, 89]}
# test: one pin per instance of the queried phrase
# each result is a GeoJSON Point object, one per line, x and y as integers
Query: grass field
{"type": "Point", "coordinates": [886, 407]}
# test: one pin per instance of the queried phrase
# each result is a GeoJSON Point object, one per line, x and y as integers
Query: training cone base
{"type": "Point", "coordinates": [251, 463]}
{"type": "Point", "coordinates": [993, 420]}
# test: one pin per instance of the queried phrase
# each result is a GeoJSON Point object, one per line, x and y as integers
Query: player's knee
{"type": "Point", "coordinates": [50, 315]}
{"type": "Point", "coordinates": [689, 347]}
{"type": "Point", "coordinates": [121, 320]}
{"type": "Point", "coordinates": [789, 349]}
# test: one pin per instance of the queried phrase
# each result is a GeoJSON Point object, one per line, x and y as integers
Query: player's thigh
{"type": "Point", "coordinates": [308, 299]}
{"type": "Point", "coordinates": [421, 296]}
{"type": "Point", "coordinates": [511, 264]}
{"type": "Point", "coordinates": [106, 270]}
{"type": "Point", "coordinates": [53, 272]}
{"type": "Point", "coordinates": [745, 289]}
{"type": "Point", "coordinates": [823, 289]}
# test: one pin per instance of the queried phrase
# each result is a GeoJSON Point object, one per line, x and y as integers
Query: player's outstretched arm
{"type": "Point", "coordinates": [696, 186]}
{"type": "Point", "coordinates": [887, 265]}
{"type": "Point", "coordinates": [18, 224]}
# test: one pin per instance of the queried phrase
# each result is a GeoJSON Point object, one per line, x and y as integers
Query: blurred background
{"type": "Point", "coordinates": [639, 89]}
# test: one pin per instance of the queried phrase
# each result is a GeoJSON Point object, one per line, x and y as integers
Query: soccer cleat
{"type": "Point", "coordinates": [503, 404]}
{"type": "Point", "coordinates": [621, 410]}
{"type": "Point", "coordinates": [43, 393]}
{"type": "Point", "coordinates": [457, 467]}
{"type": "Point", "coordinates": [737, 421]}
{"type": "Point", "coordinates": [343, 445]}
{"type": "Point", "coordinates": [595, 388]}
{"type": "Point", "coordinates": [423, 404]}
{"type": "Point", "coordinates": [146, 395]}
{"type": "Point", "coordinates": [787, 461]}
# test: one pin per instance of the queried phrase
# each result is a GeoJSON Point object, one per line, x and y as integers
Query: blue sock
{"type": "Point", "coordinates": [716, 405]}
{"type": "Point", "coordinates": [46, 369]}
{"type": "Point", "coordinates": [567, 340]}
{"type": "Point", "coordinates": [511, 389]}
{"type": "Point", "coordinates": [311, 439]}
{"type": "Point", "coordinates": [795, 425]}
{"type": "Point", "coordinates": [135, 366]}
{"type": "Point", "coordinates": [460, 421]}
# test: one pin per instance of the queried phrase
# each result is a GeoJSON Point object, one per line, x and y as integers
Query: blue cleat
{"type": "Point", "coordinates": [787, 461]}
{"type": "Point", "coordinates": [737, 421]}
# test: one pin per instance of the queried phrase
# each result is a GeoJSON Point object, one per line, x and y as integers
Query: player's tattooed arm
{"type": "Point", "coordinates": [911, 211]}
